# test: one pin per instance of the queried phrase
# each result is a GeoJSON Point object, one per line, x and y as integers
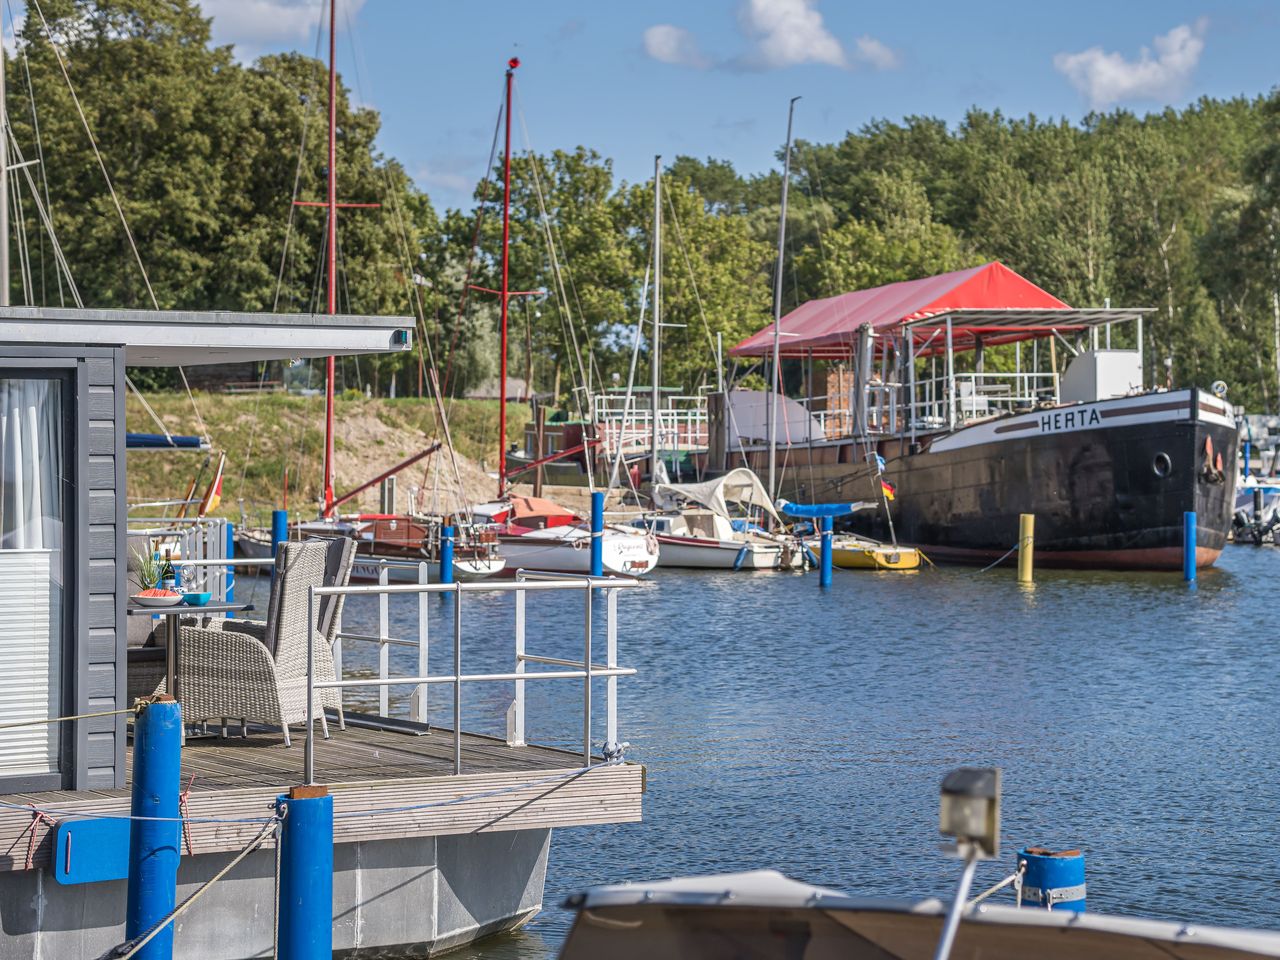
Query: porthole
{"type": "Point", "coordinates": [1161, 465]}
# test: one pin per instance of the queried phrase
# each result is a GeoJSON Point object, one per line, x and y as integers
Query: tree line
{"type": "Point", "coordinates": [1176, 210]}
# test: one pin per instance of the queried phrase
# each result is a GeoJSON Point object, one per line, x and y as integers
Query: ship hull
{"type": "Point", "coordinates": [1107, 482]}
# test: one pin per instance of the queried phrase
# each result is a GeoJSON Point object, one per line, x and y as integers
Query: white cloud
{"type": "Point", "coordinates": [788, 33]}
{"type": "Point", "coordinates": [872, 52]}
{"type": "Point", "coordinates": [255, 25]}
{"type": "Point", "coordinates": [1108, 78]}
{"type": "Point", "coordinates": [671, 44]}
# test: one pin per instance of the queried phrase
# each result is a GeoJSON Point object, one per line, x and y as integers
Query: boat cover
{"type": "Point", "coordinates": [812, 510]}
{"type": "Point", "coordinates": [828, 328]}
{"type": "Point", "coordinates": [737, 486]}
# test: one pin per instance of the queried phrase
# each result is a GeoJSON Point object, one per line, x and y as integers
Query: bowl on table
{"type": "Point", "coordinates": [196, 599]}
{"type": "Point", "coordinates": [163, 600]}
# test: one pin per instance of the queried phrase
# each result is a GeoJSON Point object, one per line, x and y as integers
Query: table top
{"type": "Point", "coordinates": [182, 609]}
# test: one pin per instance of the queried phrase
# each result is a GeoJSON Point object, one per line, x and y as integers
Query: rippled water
{"type": "Point", "coordinates": [806, 731]}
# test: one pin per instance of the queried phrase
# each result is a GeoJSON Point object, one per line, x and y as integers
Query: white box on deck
{"type": "Point", "coordinates": [1100, 375]}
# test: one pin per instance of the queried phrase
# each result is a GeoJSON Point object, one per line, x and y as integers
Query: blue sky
{"type": "Point", "coordinates": [712, 77]}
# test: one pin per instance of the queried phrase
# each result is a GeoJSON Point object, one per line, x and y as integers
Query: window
{"type": "Point", "coordinates": [33, 503]}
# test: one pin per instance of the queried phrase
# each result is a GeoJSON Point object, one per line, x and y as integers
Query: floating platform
{"type": "Point", "coordinates": [406, 883]}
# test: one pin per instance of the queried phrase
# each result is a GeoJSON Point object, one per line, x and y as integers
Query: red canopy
{"type": "Point", "coordinates": [827, 328]}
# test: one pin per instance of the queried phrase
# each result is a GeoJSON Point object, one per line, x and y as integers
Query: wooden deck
{"type": "Point", "coordinates": [500, 788]}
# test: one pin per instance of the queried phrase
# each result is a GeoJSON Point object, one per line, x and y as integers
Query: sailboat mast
{"type": "Point", "coordinates": [775, 386]}
{"type": "Point", "coordinates": [332, 250]}
{"type": "Point", "coordinates": [656, 396]}
{"type": "Point", "coordinates": [506, 285]}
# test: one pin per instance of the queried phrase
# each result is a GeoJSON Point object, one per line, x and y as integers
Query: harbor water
{"type": "Point", "coordinates": [808, 731]}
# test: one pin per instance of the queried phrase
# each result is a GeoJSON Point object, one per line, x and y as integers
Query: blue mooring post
{"type": "Point", "coordinates": [1247, 452]}
{"type": "Point", "coordinates": [1189, 546]}
{"type": "Point", "coordinates": [597, 534]}
{"type": "Point", "coordinates": [279, 529]}
{"type": "Point", "coordinates": [231, 571]}
{"type": "Point", "coordinates": [304, 925]}
{"type": "Point", "coordinates": [1054, 879]}
{"type": "Point", "coordinates": [154, 843]}
{"type": "Point", "coordinates": [824, 566]}
{"type": "Point", "coordinates": [446, 554]}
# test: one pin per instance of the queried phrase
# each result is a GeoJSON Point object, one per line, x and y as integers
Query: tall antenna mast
{"type": "Point", "coordinates": [332, 241]}
{"type": "Point", "coordinates": [656, 357]}
{"type": "Point", "coordinates": [776, 386]}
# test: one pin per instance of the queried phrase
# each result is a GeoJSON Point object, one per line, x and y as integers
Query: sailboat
{"type": "Point", "coordinates": [381, 536]}
{"type": "Point", "coordinates": [533, 533]}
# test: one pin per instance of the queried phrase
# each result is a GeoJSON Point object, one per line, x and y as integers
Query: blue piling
{"type": "Point", "coordinates": [1189, 546]}
{"type": "Point", "coordinates": [1054, 879]}
{"type": "Point", "coordinates": [824, 566]}
{"type": "Point", "coordinates": [304, 925]}
{"type": "Point", "coordinates": [446, 554]}
{"type": "Point", "coordinates": [597, 534]}
{"type": "Point", "coordinates": [279, 529]}
{"type": "Point", "coordinates": [154, 843]}
{"type": "Point", "coordinates": [231, 571]}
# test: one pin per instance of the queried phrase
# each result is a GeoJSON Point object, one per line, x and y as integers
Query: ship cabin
{"type": "Point", "coordinates": [443, 833]}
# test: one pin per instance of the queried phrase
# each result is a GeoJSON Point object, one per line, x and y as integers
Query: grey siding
{"type": "Point", "coordinates": [95, 662]}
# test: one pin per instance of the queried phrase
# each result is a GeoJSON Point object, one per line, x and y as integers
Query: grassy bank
{"type": "Point", "coordinates": [265, 435]}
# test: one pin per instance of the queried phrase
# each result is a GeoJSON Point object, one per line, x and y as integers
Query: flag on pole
{"type": "Point", "coordinates": [887, 488]}
{"type": "Point", "coordinates": [213, 496]}
{"type": "Point", "coordinates": [879, 463]}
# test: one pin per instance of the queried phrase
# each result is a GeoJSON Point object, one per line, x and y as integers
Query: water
{"type": "Point", "coordinates": [808, 732]}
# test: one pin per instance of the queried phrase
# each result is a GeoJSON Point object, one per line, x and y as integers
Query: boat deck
{"type": "Point", "coordinates": [375, 770]}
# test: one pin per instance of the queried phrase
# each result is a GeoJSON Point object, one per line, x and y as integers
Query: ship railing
{"type": "Point", "coordinates": [198, 543]}
{"type": "Point", "coordinates": [976, 396]}
{"type": "Point", "coordinates": [585, 670]}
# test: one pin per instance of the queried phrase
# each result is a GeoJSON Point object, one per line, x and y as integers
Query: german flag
{"type": "Point", "coordinates": [887, 488]}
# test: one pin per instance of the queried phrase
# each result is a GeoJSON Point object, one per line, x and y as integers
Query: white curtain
{"type": "Point", "coordinates": [31, 596]}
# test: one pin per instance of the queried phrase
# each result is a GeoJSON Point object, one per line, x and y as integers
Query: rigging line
{"type": "Point", "coordinates": [57, 52]}
{"type": "Point", "coordinates": [59, 256]}
{"type": "Point", "coordinates": [693, 280]}
{"type": "Point", "coordinates": [297, 173]}
{"type": "Point", "coordinates": [147, 407]}
{"type": "Point", "coordinates": [631, 379]}
{"type": "Point", "coordinates": [551, 245]}
{"type": "Point", "coordinates": [473, 252]}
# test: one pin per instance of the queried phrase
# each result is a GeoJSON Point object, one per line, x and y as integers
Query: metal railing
{"type": "Point", "coordinates": [526, 582]}
{"type": "Point", "coordinates": [199, 542]}
{"type": "Point", "coordinates": [682, 423]}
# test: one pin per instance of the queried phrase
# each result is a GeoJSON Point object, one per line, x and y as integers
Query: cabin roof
{"type": "Point", "coordinates": [166, 338]}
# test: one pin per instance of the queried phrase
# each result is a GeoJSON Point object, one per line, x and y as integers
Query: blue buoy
{"type": "Point", "coordinates": [154, 843]}
{"type": "Point", "coordinates": [279, 529]}
{"type": "Point", "coordinates": [446, 554]}
{"type": "Point", "coordinates": [1189, 546]}
{"type": "Point", "coordinates": [824, 567]}
{"type": "Point", "coordinates": [597, 534]}
{"type": "Point", "coordinates": [1054, 879]}
{"type": "Point", "coordinates": [304, 925]}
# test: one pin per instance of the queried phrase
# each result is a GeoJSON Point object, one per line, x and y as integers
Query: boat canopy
{"type": "Point", "coordinates": [814, 510]}
{"type": "Point", "coordinates": [828, 328]}
{"type": "Point", "coordinates": [739, 485]}
{"type": "Point", "coordinates": [158, 441]}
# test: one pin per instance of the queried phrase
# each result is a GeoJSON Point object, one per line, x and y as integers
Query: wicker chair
{"type": "Point", "coordinates": [236, 669]}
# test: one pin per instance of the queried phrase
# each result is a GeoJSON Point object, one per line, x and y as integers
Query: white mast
{"type": "Point", "coordinates": [776, 386]}
{"type": "Point", "coordinates": [656, 357]}
{"type": "Point", "coordinates": [4, 180]}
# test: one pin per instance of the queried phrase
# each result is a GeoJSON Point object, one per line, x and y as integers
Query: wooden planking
{"type": "Point", "coordinates": [102, 541]}
{"type": "Point", "coordinates": [102, 371]}
{"type": "Point", "coordinates": [102, 576]}
{"type": "Point", "coordinates": [102, 612]}
{"type": "Point", "coordinates": [102, 506]}
{"type": "Point", "coordinates": [102, 472]}
{"type": "Point", "coordinates": [102, 403]}
{"type": "Point", "coordinates": [102, 438]}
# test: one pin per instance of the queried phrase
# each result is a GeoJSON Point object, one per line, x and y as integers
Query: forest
{"type": "Point", "coordinates": [1176, 210]}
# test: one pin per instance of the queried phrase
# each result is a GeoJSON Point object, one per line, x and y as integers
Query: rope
{"type": "Point", "coordinates": [1001, 560]}
{"type": "Point", "coordinates": [182, 812]}
{"type": "Point", "coordinates": [77, 716]}
{"type": "Point", "coordinates": [1015, 877]}
{"type": "Point", "coordinates": [130, 948]}
{"type": "Point", "coordinates": [37, 817]}
{"type": "Point", "coordinates": [89, 815]}
{"type": "Point", "coordinates": [155, 417]}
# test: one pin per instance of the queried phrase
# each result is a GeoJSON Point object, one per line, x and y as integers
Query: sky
{"type": "Point", "coordinates": [713, 77]}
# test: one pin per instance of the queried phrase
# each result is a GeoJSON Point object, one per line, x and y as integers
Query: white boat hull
{"type": "Point", "coordinates": [703, 554]}
{"type": "Point", "coordinates": [568, 550]}
{"type": "Point", "coordinates": [366, 568]}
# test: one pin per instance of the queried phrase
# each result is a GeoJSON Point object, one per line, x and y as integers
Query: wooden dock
{"type": "Point", "coordinates": [370, 772]}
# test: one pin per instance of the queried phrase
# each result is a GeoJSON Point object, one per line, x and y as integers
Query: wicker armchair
{"type": "Point", "coordinates": [231, 669]}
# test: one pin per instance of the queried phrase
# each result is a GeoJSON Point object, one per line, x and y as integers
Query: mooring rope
{"type": "Point", "coordinates": [123, 951]}
{"type": "Point", "coordinates": [74, 716]}
{"type": "Point", "coordinates": [1001, 560]}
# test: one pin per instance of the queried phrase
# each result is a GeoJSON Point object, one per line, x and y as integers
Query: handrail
{"type": "Point", "coordinates": [526, 581]}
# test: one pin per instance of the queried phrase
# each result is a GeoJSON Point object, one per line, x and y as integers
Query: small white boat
{"type": "Point", "coordinates": [536, 534]}
{"type": "Point", "coordinates": [699, 531]}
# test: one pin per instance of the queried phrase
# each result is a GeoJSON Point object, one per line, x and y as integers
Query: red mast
{"type": "Point", "coordinates": [332, 270]}
{"type": "Point", "coordinates": [506, 287]}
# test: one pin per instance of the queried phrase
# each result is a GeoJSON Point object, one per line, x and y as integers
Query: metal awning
{"type": "Point", "coordinates": [169, 338]}
{"type": "Point", "coordinates": [1007, 326]}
